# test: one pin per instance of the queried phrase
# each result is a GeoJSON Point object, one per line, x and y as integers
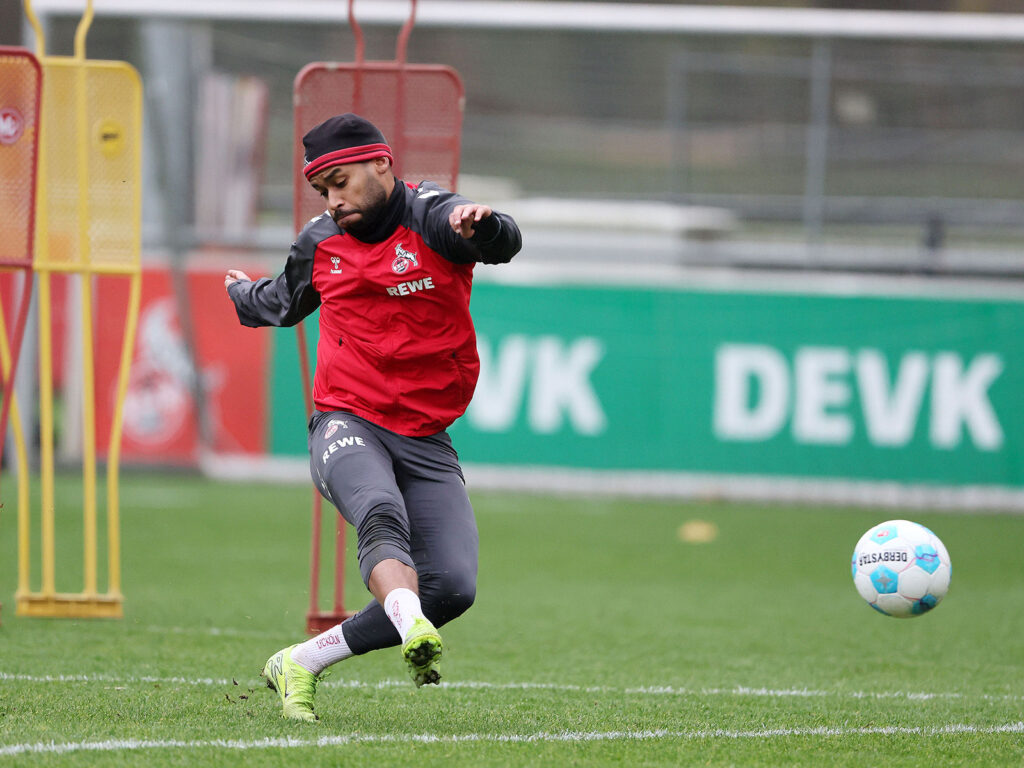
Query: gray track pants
{"type": "Point", "coordinates": [407, 499]}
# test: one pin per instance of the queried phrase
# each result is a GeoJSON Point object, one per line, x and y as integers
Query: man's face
{"type": "Point", "coordinates": [356, 193]}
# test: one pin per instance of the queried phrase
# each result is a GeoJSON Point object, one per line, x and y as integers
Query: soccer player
{"type": "Point", "coordinates": [390, 265]}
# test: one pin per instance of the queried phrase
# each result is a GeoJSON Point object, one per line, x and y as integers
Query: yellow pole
{"type": "Point", "coordinates": [82, 30]}
{"type": "Point", "coordinates": [114, 453]}
{"type": "Point", "coordinates": [46, 426]}
{"type": "Point", "coordinates": [48, 587]}
{"type": "Point", "coordinates": [89, 439]}
{"type": "Point", "coordinates": [45, 345]}
{"type": "Point", "coordinates": [114, 449]}
{"type": "Point", "coordinates": [85, 258]}
{"type": "Point", "coordinates": [40, 38]}
{"type": "Point", "coordinates": [24, 518]}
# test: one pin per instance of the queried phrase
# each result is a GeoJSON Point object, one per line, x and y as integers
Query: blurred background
{"type": "Point", "coordinates": [770, 249]}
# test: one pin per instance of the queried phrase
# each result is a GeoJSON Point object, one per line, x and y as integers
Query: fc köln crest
{"type": "Point", "coordinates": [12, 125]}
{"type": "Point", "coordinates": [404, 260]}
{"type": "Point", "coordinates": [332, 427]}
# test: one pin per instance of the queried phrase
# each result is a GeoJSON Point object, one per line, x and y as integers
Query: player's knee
{"type": "Point", "coordinates": [383, 523]}
{"type": "Point", "coordinates": [458, 594]}
{"type": "Point", "coordinates": [448, 595]}
{"type": "Point", "coordinates": [382, 534]}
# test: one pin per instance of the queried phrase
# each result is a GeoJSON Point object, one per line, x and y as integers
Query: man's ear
{"type": "Point", "coordinates": [381, 165]}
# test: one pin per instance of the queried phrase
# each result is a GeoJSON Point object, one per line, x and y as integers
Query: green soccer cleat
{"type": "Point", "coordinates": [294, 684]}
{"type": "Point", "coordinates": [422, 652]}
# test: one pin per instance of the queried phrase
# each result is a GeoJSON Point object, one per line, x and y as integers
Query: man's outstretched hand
{"type": "Point", "coordinates": [235, 276]}
{"type": "Point", "coordinates": [463, 217]}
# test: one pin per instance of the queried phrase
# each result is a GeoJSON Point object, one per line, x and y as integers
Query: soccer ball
{"type": "Point", "coordinates": [901, 568]}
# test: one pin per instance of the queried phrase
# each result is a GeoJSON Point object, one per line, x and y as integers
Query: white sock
{"type": "Point", "coordinates": [318, 653]}
{"type": "Point", "coordinates": [403, 607]}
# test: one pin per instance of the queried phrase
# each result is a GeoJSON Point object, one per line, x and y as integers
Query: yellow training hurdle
{"type": "Point", "coordinates": [88, 215]}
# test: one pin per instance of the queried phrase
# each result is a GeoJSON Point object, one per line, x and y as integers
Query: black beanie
{"type": "Point", "coordinates": [343, 139]}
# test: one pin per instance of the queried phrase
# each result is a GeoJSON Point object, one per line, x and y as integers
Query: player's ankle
{"type": "Point", "coordinates": [320, 652]}
{"type": "Point", "coordinates": [402, 607]}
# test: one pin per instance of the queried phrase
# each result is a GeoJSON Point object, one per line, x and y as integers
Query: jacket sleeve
{"type": "Point", "coordinates": [284, 300]}
{"type": "Point", "coordinates": [496, 239]}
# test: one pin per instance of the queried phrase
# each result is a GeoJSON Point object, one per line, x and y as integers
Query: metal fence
{"type": "Point", "coordinates": [914, 146]}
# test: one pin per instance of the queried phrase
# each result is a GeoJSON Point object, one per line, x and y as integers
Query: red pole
{"type": "Point", "coordinates": [403, 35]}
{"type": "Point", "coordinates": [357, 85]}
{"type": "Point", "coordinates": [314, 555]}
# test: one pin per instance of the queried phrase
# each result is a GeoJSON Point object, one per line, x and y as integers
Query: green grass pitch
{"type": "Point", "coordinates": [599, 638]}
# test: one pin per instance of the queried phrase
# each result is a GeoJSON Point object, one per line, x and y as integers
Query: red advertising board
{"type": "Point", "coordinates": [160, 414]}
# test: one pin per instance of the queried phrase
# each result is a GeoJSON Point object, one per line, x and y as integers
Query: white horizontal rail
{"type": "Point", "coordinates": [584, 17]}
{"type": "Point", "coordinates": [621, 215]}
{"type": "Point", "coordinates": [666, 485]}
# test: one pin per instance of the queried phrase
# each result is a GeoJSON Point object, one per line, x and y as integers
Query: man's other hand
{"type": "Point", "coordinates": [463, 217]}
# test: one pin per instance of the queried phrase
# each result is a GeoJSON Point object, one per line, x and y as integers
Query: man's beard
{"type": "Point", "coordinates": [371, 212]}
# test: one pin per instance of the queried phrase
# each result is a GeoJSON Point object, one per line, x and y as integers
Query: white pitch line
{"type": "Point", "coordinates": [101, 678]}
{"type": "Point", "coordinates": [660, 690]}
{"type": "Point", "coordinates": [810, 693]}
{"type": "Point", "coordinates": [500, 738]}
